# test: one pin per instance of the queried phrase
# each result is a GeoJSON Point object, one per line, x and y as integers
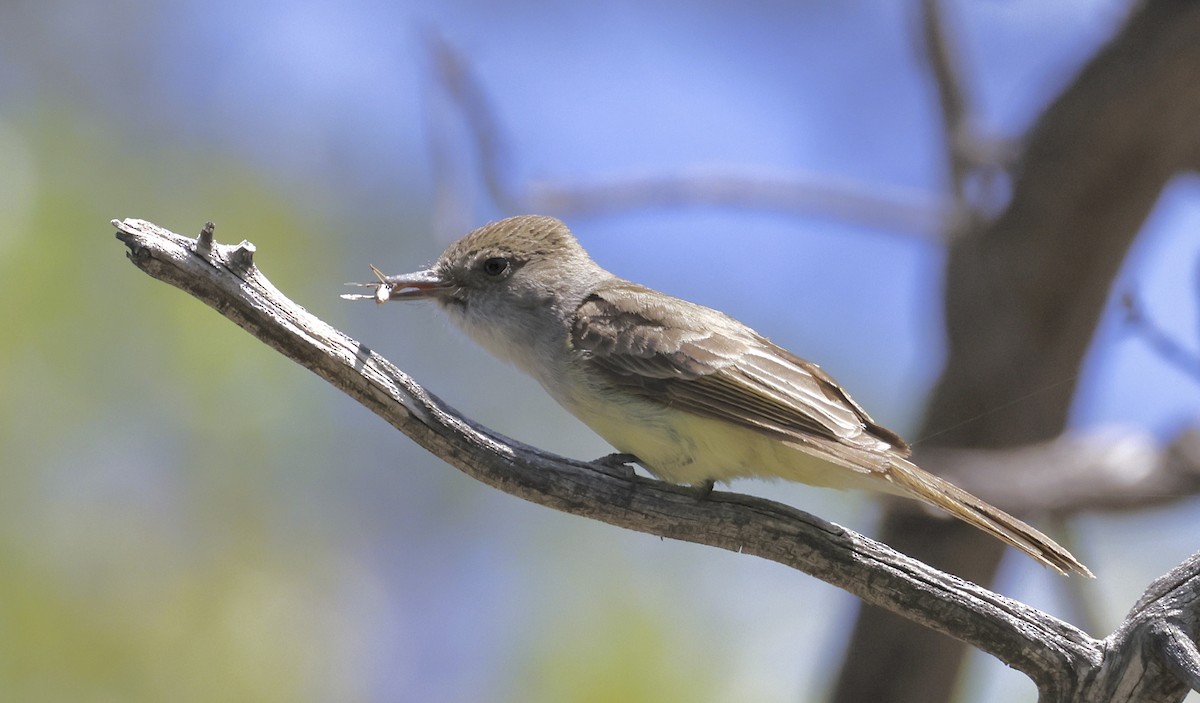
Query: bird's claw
{"type": "Point", "coordinates": [619, 461]}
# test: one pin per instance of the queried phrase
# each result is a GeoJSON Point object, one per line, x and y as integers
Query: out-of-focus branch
{"type": "Point", "coordinates": [1023, 298]}
{"type": "Point", "coordinates": [944, 69]}
{"type": "Point", "coordinates": [889, 208]}
{"type": "Point", "coordinates": [1121, 469]}
{"type": "Point", "coordinates": [976, 165]}
{"type": "Point", "coordinates": [1166, 346]}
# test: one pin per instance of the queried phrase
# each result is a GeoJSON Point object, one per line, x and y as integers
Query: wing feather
{"type": "Point", "coordinates": [701, 361]}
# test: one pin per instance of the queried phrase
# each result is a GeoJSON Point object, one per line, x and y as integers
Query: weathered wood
{"type": "Point", "coordinates": [1065, 663]}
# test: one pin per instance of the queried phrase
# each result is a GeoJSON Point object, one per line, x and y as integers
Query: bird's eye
{"type": "Point", "coordinates": [495, 266]}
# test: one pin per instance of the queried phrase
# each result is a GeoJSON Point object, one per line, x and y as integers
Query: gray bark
{"type": "Point", "coordinates": [1151, 657]}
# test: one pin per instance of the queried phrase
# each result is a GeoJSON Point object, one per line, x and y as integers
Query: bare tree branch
{"type": "Point", "coordinates": [1166, 346]}
{"type": "Point", "coordinates": [1156, 645]}
{"type": "Point", "coordinates": [1061, 659]}
{"type": "Point", "coordinates": [944, 68]}
{"type": "Point", "coordinates": [1023, 297]}
{"type": "Point", "coordinates": [976, 165]}
{"type": "Point", "coordinates": [225, 278]}
{"type": "Point", "coordinates": [889, 208]}
{"type": "Point", "coordinates": [1119, 469]}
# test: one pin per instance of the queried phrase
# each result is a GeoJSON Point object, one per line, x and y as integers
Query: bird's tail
{"type": "Point", "coordinates": [924, 486]}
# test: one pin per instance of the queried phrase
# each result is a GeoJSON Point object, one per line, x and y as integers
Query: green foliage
{"type": "Point", "coordinates": [617, 654]}
{"type": "Point", "coordinates": [136, 552]}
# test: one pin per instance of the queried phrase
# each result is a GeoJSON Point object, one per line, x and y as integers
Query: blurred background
{"type": "Point", "coordinates": [185, 515]}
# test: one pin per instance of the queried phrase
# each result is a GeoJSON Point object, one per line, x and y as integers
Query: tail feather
{"type": "Point", "coordinates": [915, 482]}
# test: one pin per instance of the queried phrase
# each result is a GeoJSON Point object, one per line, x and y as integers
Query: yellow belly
{"type": "Point", "coordinates": [689, 449]}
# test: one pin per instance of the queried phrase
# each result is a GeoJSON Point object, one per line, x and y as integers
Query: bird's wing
{"type": "Point", "coordinates": [706, 363]}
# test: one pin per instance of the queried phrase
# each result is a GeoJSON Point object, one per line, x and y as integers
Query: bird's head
{"type": "Point", "coordinates": [512, 282]}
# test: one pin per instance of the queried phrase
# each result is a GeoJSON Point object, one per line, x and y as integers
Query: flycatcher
{"type": "Point", "coordinates": [694, 394]}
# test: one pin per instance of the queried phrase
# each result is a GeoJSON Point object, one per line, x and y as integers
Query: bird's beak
{"type": "Point", "coordinates": [407, 286]}
{"type": "Point", "coordinates": [419, 284]}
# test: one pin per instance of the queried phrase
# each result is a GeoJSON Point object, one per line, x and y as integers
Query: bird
{"type": "Point", "coordinates": [688, 392]}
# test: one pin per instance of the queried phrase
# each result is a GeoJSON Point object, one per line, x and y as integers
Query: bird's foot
{"type": "Point", "coordinates": [705, 489]}
{"type": "Point", "coordinates": [619, 461]}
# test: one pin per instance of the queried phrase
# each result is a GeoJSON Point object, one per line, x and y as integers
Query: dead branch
{"type": "Point", "coordinates": [1023, 296]}
{"type": "Point", "coordinates": [1140, 324]}
{"type": "Point", "coordinates": [1061, 659]}
{"type": "Point", "coordinates": [888, 208]}
{"type": "Point", "coordinates": [1120, 469]}
{"type": "Point", "coordinates": [976, 165]}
